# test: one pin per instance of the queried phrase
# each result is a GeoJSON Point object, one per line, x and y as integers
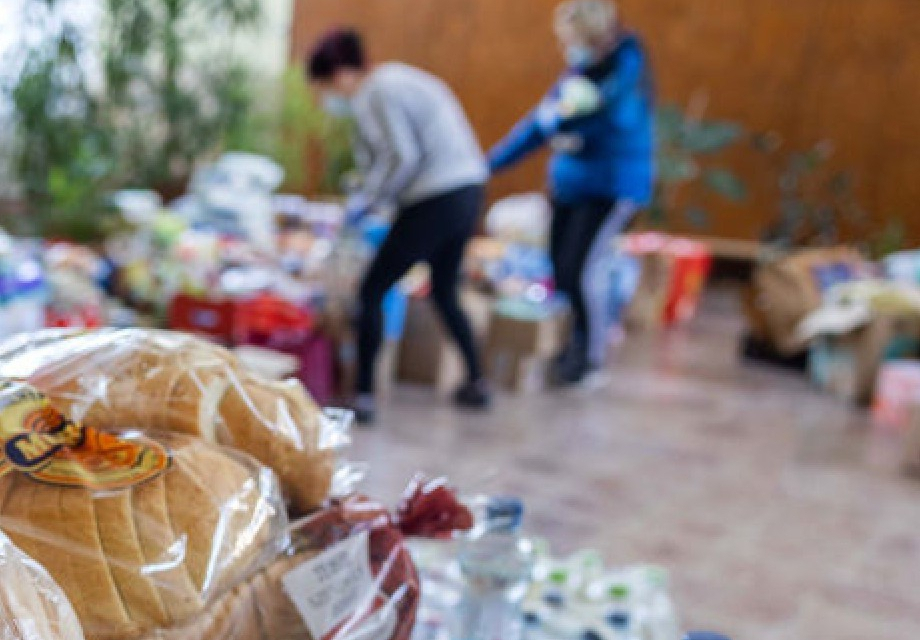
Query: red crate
{"type": "Point", "coordinates": [265, 321]}
{"type": "Point", "coordinates": [270, 315]}
{"type": "Point", "coordinates": [212, 319]}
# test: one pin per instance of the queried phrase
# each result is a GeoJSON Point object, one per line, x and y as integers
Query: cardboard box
{"type": "Point", "coordinates": [519, 349]}
{"type": "Point", "coordinates": [336, 322]}
{"type": "Point", "coordinates": [787, 290]}
{"type": "Point", "coordinates": [427, 355]}
{"type": "Point", "coordinates": [647, 309]}
{"type": "Point", "coordinates": [847, 365]}
{"type": "Point", "coordinates": [674, 273]}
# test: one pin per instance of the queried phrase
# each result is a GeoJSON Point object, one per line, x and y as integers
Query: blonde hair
{"type": "Point", "coordinates": [593, 20]}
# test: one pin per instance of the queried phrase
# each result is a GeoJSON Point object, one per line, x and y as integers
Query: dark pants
{"type": "Point", "coordinates": [581, 236]}
{"type": "Point", "coordinates": [435, 231]}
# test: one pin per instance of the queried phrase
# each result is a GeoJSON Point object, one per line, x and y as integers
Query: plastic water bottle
{"type": "Point", "coordinates": [662, 615]}
{"type": "Point", "coordinates": [620, 617]}
{"type": "Point", "coordinates": [442, 589]}
{"type": "Point", "coordinates": [496, 563]}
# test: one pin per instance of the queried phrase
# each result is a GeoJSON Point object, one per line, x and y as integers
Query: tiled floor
{"type": "Point", "coordinates": [780, 512]}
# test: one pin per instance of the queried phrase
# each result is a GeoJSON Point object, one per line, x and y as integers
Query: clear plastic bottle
{"type": "Point", "coordinates": [620, 617]}
{"type": "Point", "coordinates": [666, 621]}
{"type": "Point", "coordinates": [496, 563]}
{"type": "Point", "coordinates": [442, 589]}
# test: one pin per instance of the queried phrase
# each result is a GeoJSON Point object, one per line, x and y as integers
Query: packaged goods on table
{"type": "Point", "coordinates": [324, 217]}
{"type": "Point", "coordinates": [234, 197]}
{"type": "Point", "coordinates": [23, 286]}
{"type": "Point", "coordinates": [32, 605]}
{"type": "Point", "coordinates": [161, 381]}
{"type": "Point", "coordinates": [140, 533]}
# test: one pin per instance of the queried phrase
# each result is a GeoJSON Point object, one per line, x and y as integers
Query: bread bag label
{"type": "Point", "coordinates": [334, 587]}
{"type": "Point", "coordinates": [39, 441]}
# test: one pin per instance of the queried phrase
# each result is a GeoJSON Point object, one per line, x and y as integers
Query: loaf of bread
{"type": "Point", "coordinates": [138, 556]}
{"type": "Point", "coordinates": [32, 605]}
{"type": "Point", "coordinates": [257, 609]}
{"type": "Point", "coordinates": [262, 608]}
{"type": "Point", "coordinates": [162, 381]}
{"type": "Point", "coordinates": [293, 444]}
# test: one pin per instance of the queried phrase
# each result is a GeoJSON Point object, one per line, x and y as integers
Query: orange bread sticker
{"type": "Point", "coordinates": [39, 441]}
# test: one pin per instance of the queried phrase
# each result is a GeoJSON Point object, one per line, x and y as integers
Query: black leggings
{"type": "Point", "coordinates": [435, 231]}
{"type": "Point", "coordinates": [581, 237]}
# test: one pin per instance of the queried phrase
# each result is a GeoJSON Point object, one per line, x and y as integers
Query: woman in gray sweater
{"type": "Point", "coordinates": [416, 151]}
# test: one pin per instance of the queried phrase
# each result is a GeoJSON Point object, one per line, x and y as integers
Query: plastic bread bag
{"type": "Point", "coordinates": [348, 575]}
{"type": "Point", "coordinates": [32, 605]}
{"type": "Point", "coordinates": [139, 532]}
{"type": "Point", "coordinates": [163, 381]}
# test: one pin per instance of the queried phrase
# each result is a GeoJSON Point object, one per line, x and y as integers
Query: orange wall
{"type": "Point", "coordinates": [846, 70]}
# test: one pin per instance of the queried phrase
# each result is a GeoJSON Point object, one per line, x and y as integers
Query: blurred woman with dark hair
{"type": "Point", "coordinates": [416, 151]}
{"type": "Point", "coordinates": [598, 119]}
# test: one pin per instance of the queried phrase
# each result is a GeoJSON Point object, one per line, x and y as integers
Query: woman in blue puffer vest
{"type": "Point", "coordinates": [599, 120]}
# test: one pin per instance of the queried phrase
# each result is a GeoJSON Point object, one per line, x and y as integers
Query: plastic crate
{"type": "Point", "coordinates": [215, 320]}
{"type": "Point", "coordinates": [268, 314]}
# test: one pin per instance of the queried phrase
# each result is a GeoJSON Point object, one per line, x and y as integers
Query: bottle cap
{"type": "Point", "coordinates": [618, 592]}
{"type": "Point", "coordinates": [505, 512]}
{"type": "Point", "coordinates": [554, 599]}
{"type": "Point", "coordinates": [618, 620]}
{"type": "Point", "coordinates": [559, 576]}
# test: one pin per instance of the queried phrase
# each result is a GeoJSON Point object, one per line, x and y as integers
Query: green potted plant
{"type": "Point", "coordinates": [171, 98]}
{"type": "Point", "coordinates": [689, 148]}
{"type": "Point", "coordinates": [64, 157]}
{"type": "Point", "coordinates": [164, 103]}
{"type": "Point", "coordinates": [313, 148]}
{"type": "Point", "coordinates": [816, 203]}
